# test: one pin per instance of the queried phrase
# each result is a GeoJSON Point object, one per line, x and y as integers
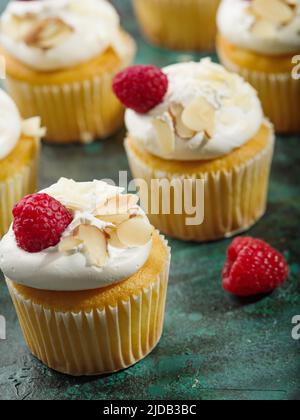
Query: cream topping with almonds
{"type": "Point", "coordinates": [108, 241]}
{"type": "Point", "coordinates": [270, 27]}
{"type": "Point", "coordinates": [11, 126]}
{"type": "Point", "coordinates": [55, 34]}
{"type": "Point", "coordinates": [206, 113]}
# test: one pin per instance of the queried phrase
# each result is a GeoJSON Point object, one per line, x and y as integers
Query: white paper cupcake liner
{"type": "Point", "coordinates": [234, 200]}
{"type": "Point", "coordinates": [279, 93]}
{"type": "Point", "coordinates": [179, 24]}
{"type": "Point", "coordinates": [99, 341]}
{"type": "Point", "coordinates": [75, 112]}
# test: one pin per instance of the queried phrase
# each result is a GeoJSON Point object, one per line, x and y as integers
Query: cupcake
{"type": "Point", "coordinates": [260, 40]}
{"type": "Point", "coordinates": [19, 152]}
{"type": "Point", "coordinates": [195, 125]}
{"type": "Point", "coordinates": [88, 277]}
{"type": "Point", "coordinates": [179, 24]}
{"type": "Point", "coordinates": [61, 56]}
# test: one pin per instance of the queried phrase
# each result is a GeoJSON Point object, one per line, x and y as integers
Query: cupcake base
{"type": "Point", "coordinates": [179, 24]}
{"type": "Point", "coordinates": [235, 188]}
{"type": "Point", "coordinates": [278, 91]}
{"type": "Point", "coordinates": [18, 177]}
{"type": "Point", "coordinates": [101, 331]}
{"type": "Point", "coordinates": [76, 105]}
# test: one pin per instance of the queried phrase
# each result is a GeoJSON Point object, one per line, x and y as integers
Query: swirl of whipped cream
{"type": "Point", "coordinates": [10, 125]}
{"type": "Point", "coordinates": [91, 254]}
{"type": "Point", "coordinates": [266, 26]}
{"type": "Point", "coordinates": [206, 113]}
{"type": "Point", "coordinates": [56, 34]}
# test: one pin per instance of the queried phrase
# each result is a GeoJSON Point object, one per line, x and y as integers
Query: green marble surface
{"type": "Point", "coordinates": [214, 346]}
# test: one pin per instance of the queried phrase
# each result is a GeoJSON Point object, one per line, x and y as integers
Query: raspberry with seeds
{"type": "Point", "coordinates": [253, 267]}
{"type": "Point", "coordinates": [141, 87]}
{"type": "Point", "coordinates": [39, 222]}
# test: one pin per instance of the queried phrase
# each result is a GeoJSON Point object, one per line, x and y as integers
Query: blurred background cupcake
{"type": "Point", "coordinates": [88, 276]}
{"type": "Point", "coordinates": [259, 39]}
{"type": "Point", "coordinates": [19, 152]}
{"type": "Point", "coordinates": [179, 24]}
{"type": "Point", "coordinates": [61, 57]}
{"type": "Point", "coordinates": [197, 121]}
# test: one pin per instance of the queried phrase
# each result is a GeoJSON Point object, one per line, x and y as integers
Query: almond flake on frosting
{"type": "Point", "coordinates": [114, 240]}
{"type": "Point", "coordinates": [32, 127]}
{"type": "Point", "coordinates": [275, 11]}
{"type": "Point", "coordinates": [119, 205]}
{"type": "Point", "coordinates": [199, 116]}
{"type": "Point", "coordinates": [48, 33]}
{"type": "Point", "coordinates": [137, 231]}
{"type": "Point", "coordinates": [181, 129]}
{"type": "Point", "coordinates": [19, 26]}
{"type": "Point", "coordinates": [95, 244]}
{"type": "Point", "coordinates": [117, 209]}
{"type": "Point", "coordinates": [82, 196]}
{"type": "Point", "coordinates": [165, 133]}
{"type": "Point", "coordinates": [114, 219]}
{"type": "Point", "coordinates": [69, 244]}
{"type": "Point", "coordinates": [263, 28]}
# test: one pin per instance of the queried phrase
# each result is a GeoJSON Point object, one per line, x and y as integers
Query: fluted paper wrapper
{"type": "Point", "coordinates": [179, 24]}
{"type": "Point", "coordinates": [15, 187]}
{"type": "Point", "coordinates": [96, 342]}
{"type": "Point", "coordinates": [75, 112]}
{"type": "Point", "coordinates": [234, 200]}
{"type": "Point", "coordinates": [279, 94]}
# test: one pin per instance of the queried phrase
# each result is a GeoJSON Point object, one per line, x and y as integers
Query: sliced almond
{"type": "Point", "coordinates": [200, 116]}
{"type": "Point", "coordinates": [181, 129]}
{"type": "Point", "coordinates": [115, 219]}
{"type": "Point", "coordinates": [75, 202]}
{"type": "Point", "coordinates": [165, 135]}
{"type": "Point", "coordinates": [19, 26]}
{"type": "Point", "coordinates": [121, 204]}
{"type": "Point", "coordinates": [275, 11]}
{"type": "Point", "coordinates": [32, 127]}
{"type": "Point", "coordinates": [48, 33]}
{"type": "Point", "coordinates": [135, 232]}
{"type": "Point", "coordinates": [114, 240]}
{"type": "Point", "coordinates": [263, 29]}
{"type": "Point", "coordinates": [95, 244]}
{"type": "Point", "coordinates": [69, 244]}
{"type": "Point", "coordinates": [176, 109]}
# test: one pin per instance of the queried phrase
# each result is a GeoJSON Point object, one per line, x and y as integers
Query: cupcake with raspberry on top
{"type": "Point", "coordinates": [88, 275]}
{"type": "Point", "coordinates": [196, 121]}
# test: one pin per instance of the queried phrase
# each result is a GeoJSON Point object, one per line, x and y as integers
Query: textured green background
{"type": "Point", "coordinates": [214, 347]}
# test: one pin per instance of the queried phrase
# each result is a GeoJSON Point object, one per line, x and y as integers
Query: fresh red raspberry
{"type": "Point", "coordinates": [253, 267]}
{"type": "Point", "coordinates": [141, 88]}
{"type": "Point", "coordinates": [39, 222]}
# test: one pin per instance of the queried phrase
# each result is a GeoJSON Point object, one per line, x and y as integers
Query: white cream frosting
{"type": "Point", "coordinates": [85, 29]}
{"type": "Point", "coordinates": [10, 125]}
{"type": "Point", "coordinates": [55, 270]}
{"type": "Point", "coordinates": [236, 23]}
{"type": "Point", "coordinates": [237, 110]}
